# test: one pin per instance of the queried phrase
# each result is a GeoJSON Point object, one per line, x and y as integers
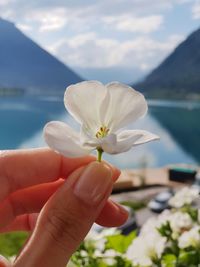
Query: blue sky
{"type": "Point", "coordinates": [106, 39]}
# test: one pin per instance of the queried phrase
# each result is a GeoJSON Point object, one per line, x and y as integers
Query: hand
{"type": "Point", "coordinates": [68, 194]}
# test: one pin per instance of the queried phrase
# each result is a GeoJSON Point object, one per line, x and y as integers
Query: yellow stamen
{"type": "Point", "coordinates": [103, 132]}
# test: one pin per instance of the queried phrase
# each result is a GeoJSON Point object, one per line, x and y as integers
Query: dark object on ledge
{"type": "Point", "coordinates": [160, 202]}
{"type": "Point", "coordinates": [182, 174]}
{"type": "Point", "coordinates": [130, 224]}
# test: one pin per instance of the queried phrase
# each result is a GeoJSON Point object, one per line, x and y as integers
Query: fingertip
{"type": "Point", "coordinates": [112, 215]}
{"type": "Point", "coordinates": [4, 262]}
{"type": "Point", "coordinates": [115, 171]}
{"type": "Point", "coordinates": [123, 213]}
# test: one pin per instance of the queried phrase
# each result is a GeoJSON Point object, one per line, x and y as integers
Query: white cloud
{"type": "Point", "coordinates": [139, 16]}
{"type": "Point", "coordinates": [129, 23]}
{"type": "Point", "coordinates": [24, 27]}
{"type": "Point", "coordinates": [81, 39]}
{"type": "Point", "coordinates": [49, 20]}
{"type": "Point", "coordinates": [5, 2]}
{"type": "Point", "coordinates": [92, 51]}
{"type": "Point", "coordinates": [184, 1]}
{"type": "Point", "coordinates": [196, 10]}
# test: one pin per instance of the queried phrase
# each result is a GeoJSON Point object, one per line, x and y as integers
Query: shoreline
{"type": "Point", "coordinates": [137, 179]}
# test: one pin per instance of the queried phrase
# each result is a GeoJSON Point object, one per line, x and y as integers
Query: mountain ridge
{"type": "Point", "coordinates": [25, 64]}
{"type": "Point", "coordinates": [178, 76]}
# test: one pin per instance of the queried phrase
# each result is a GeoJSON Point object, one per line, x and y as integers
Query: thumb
{"type": "Point", "coordinates": [67, 217]}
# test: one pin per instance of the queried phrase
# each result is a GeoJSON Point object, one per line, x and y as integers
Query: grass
{"type": "Point", "coordinates": [11, 243]}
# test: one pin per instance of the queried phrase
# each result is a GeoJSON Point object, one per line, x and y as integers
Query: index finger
{"type": "Point", "coordinates": [24, 168]}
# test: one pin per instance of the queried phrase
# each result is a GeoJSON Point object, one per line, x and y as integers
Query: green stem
{"type": "Point", "coordinates": [99, 154]}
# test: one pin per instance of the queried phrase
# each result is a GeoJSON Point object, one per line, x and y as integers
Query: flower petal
{"type": "Point", "coordinates": [85, 101]}
{"type": "Point", "coordinates": [128, 139]}
{"type": "Point", "coordinates": [126, 105]}
{"type": "Point", "coordinates": [62, 138]}
{"type": "Point", "coordinates": [137, 136]}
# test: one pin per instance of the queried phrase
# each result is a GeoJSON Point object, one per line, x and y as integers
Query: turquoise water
{"type": "Point", "coordinates": [177, 124]}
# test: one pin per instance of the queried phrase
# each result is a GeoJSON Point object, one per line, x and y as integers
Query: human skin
{"type": "Point", "coordinates": [57, 199]}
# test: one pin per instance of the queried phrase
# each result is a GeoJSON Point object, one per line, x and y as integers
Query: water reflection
{"type": "Point", "coordinates": [182, 123]}
{"type": "Point", "coordinates": [22, 117]}
{"type": "Point", "coordinates": [22, 120]}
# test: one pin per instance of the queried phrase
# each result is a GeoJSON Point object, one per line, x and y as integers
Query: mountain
{"type": "Point", "coordinates": [25, 65]}
{"type": "Point", "coordinates": [179, 74]}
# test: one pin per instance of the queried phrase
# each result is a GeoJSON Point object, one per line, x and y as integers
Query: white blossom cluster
{"type": "Point", "coordinates": [150, 245]}
{"type": "Point", "coordinates": [184, 197]}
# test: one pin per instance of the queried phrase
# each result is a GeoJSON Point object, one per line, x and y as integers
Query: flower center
{"type": "Point", "coordinates": [103, 132]}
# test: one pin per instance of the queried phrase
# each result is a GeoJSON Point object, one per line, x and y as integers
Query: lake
{"type": "Point", "coordinates": [176, 122]}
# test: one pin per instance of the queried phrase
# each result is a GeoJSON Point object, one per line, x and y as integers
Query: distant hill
{"type": "Point", "coordinates": [25, 65]}
{"type": "Point", "coordinates": [178, 76]}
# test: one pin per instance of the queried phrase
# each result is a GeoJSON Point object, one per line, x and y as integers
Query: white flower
{"type": "Point", "coordinates": [190, 238]}
{"type": "Point", "coordinates": [71, 264]}
{"type": "Point", "coordinates": [154, 223]}
{"type": "Point", "coordinates": [98, 239]}
{"type": "Point", "coordinates": [150, 226]}
{"type": "Point", "coordinates": [108, 256]}
{"type": "Point", "coordinates": [102, 112]}
{"type": "Point", "coordinates": [146, 248]}
{"type": "Point", "coordinates": [180, 221]}
{"type": "Point", "coordinates": [184, 197]}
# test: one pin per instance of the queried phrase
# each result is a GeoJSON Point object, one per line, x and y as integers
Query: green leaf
{"type": "Point", "coordinates": [120, 243]}
{"type": "Point", "coordinates": [193, 212]}
{"type": "Point", "coordinates": [169, 260]}
{"type": "Point", "coordinates": [188, 258]}
{"type": "Point", "coordinates": [122, 262]}
{"type": "Point", "coordinates": [11, 243]}
{"type": "Point", "coordinates": [165, 230]}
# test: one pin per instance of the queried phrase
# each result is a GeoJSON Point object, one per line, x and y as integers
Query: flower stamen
{"type": "Point", "coordinates": [103, 132]}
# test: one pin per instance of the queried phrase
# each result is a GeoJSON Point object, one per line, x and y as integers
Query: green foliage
{"type": "Point", "coordinates": [165, 230]}
{"type": "Point", "coordinates": [121, 262]}
{"type": "Point", "coordinates": [120, 243]}
{"type": "Point", "coordinates": [191, 211]}
{"type": "Point", "coordinates": [189, 258]}
{"type": "Point", "coordinates": [11, 243]}
{"type": "Point", "coordinates": [169, 260]}
{"type": "Point", "coordinates": [87, 260]}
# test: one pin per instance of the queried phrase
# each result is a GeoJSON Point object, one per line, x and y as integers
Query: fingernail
{"type": "Point", "coordinates": [94, 184]}
{"type": "Point", "coordinates": [121, 209]}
